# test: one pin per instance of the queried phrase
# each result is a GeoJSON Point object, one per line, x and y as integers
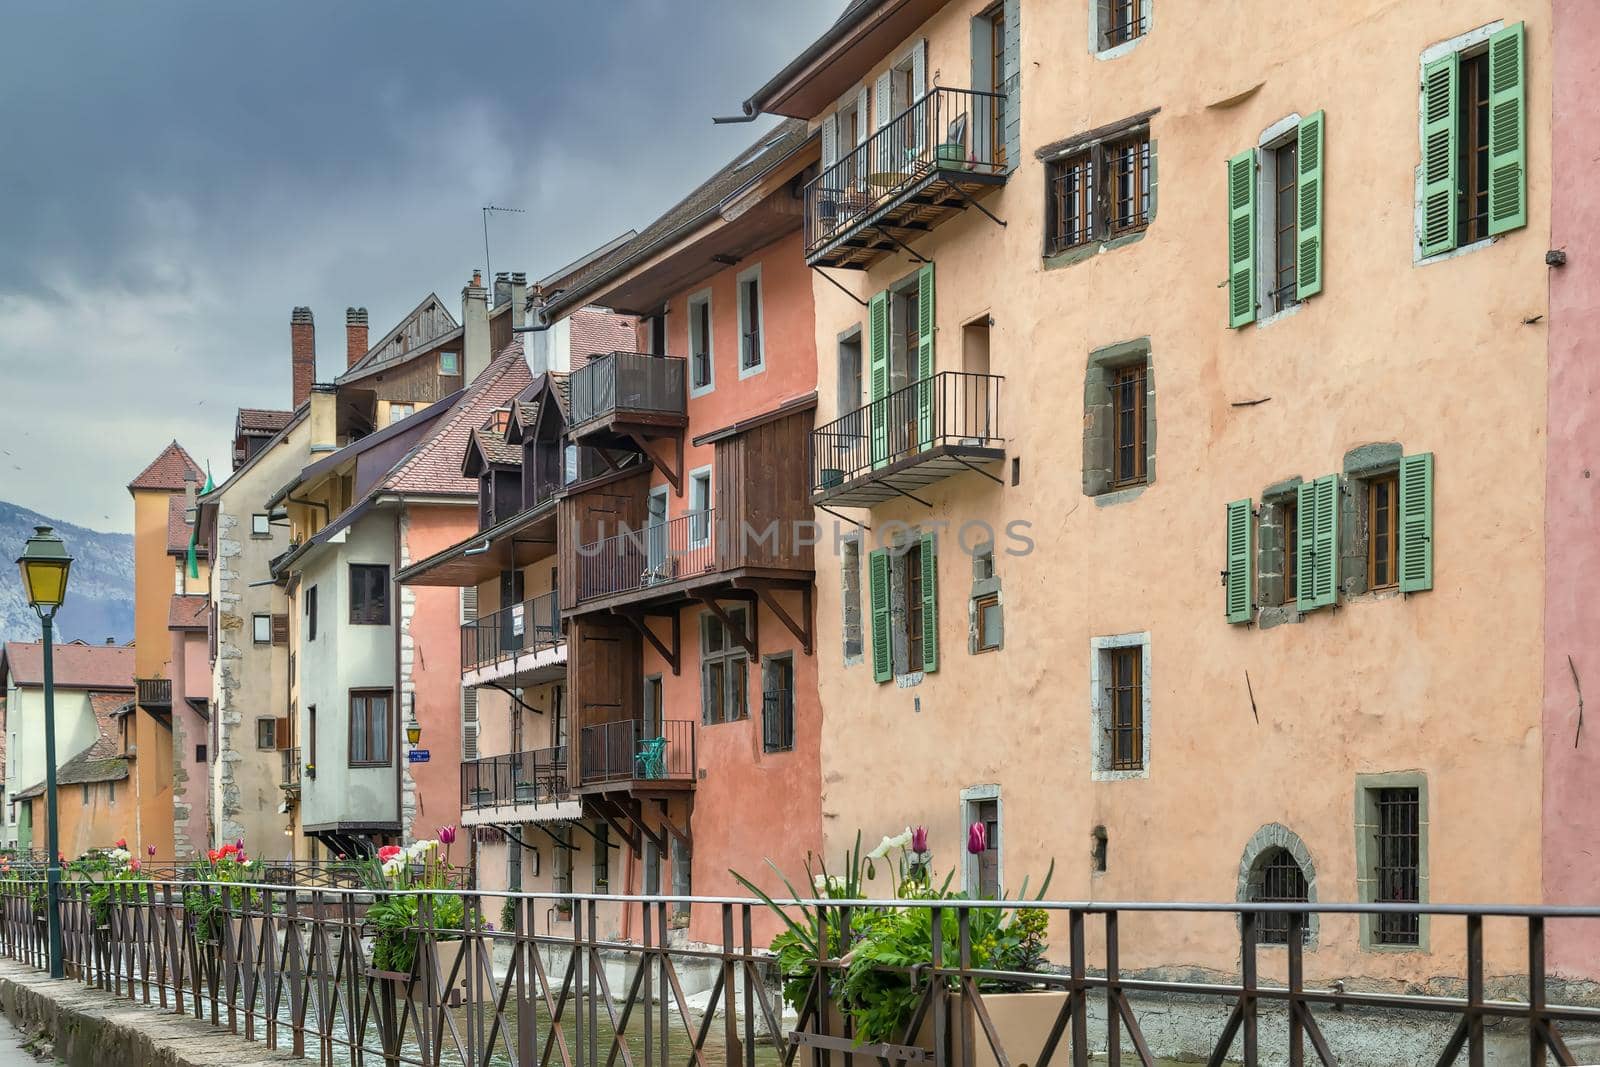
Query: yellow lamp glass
{"type": "Point", "coordinates": [413, 731]}
{"type": "Point", "coordinates": [44, 564]}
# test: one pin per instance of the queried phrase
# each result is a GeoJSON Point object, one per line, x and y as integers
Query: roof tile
{"type": "Point", "coordinates": [166, 470]}
{"type": "Point", "coordinates": [434, 466]}
{"type": "Point", "coordinates": [76, 666]}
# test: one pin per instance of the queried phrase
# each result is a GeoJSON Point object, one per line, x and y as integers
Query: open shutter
{"type": "Point", "coordinates": [878, 376]}
{"type": "Point", "coordinates": [280, 733]}
{"type": "Point", "coordinates": [830, 142]}
{"type": "Point", "coordinates": [878, 593]}
{"type": "Point", "coordinates": [1308, 193]}
{"type": "Point", "coordinates": [863, 135]}
{"type": "Point", "coordinates": [882, 107]}
{"type": "Point", "coordinates": [1242, 239]}
{"type": "Point", "coordinates": [926, 324]}
{"type": "Point", "coordinates": [1239, 558]}
{"type": "Point", "coordinates": [469, 723]}
{"type": "Point", "coordinates": [1012, 58]}
{"type": "Point", "coordinates": [1508, 131]}
{"type": "Point", "coordinates": [280, 629]}
{"type": "Point", "coordinates": [930, 603]}
{"type": "Point", "coordinates": [1416, 523]}
{"type": "Point", "coordinates": [1317, 545]}
{"type": "Point", "coordinates": [1440, 83]}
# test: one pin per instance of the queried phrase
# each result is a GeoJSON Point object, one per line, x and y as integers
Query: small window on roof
{"type": "Point", "coordinates": [449, 363]}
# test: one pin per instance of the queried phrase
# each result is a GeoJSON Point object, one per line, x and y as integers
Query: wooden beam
{"type": "Point", "coordinates": [635, 817]}
{"type": "Point", "coordinates": [751, 641]}
{"type": "Point", "coordinates": [670, 467]}
{"type": "Point", "coordinates": [801, 630]}
{"type": "Point", "coordinates": [673, 655]}
{"type": "Point", "coordinates": [610, 816]}
{"type": "Point", "coordinates": [669, 828]}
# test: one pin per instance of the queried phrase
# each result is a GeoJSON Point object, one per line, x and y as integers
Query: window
{"type": "Point", "coordinates": [513, 866]}
{"type": "Point", "coordinates": [682, 876]}
{"type": "Point", "coordinates": [986, 628]}
{"type": "Point", "coordinates": [904, 593]}
{"type": "Point", "coordinates": [398, 412]}
{"type": "Point", "coordinates": [913, 588]}
{"type": "Point", "coordinates": [1119, 419]}
{"type": "Point", "coordinates": [651, 726]}
{"type": "Point", "coordinates": [1382, 531]}
{"type": "Point", "coordinates": [85, 795]}
{"type": "Point", "coordinates": [1277, 879]}
{"type": "Point", "coordinates": [850, 597]}
{"type": "Point", "coordinates": [849, 382]}
{"type": "Point", "coordinates": [1397, 872]}
{"type": "Point", "coordinates": [311, 614]}
{"type": "Point", "coordinates": [981, 875]}
{"type": "Point", "coordinates": [261, 627]}
{"type": "Point", "coordinates": [752, 355]}
{"type": "Point", "coordinates": [266, 733]}
{"type": "Point", "coordinates": [200, 753]}
{"type": "Point", "coordinates": [260, 525]}
{"type": "Point", "coordinates": [111, 791]}
{"type": "Point", "coordinates": [1120, 688]}
{"type": "Point", "coordinates": [988, 611]}
{"type": "Point", "coordinates": [1119, 22]}
{"type": "Point", "coordinates": [777, 704]}
{"type": "Point", "coordinates": [602, 858]}
{"type": "Point", "coordinates": [997, 82]}
{"type": "Point", "coordinates": [1472, 183]}
{"type": "Point", "coordinates": [1291, 522]}
{"type": "Point", "coordinates": [369, 727]}
{"type": "Point", "coordinates": [561, 858]}
{"type": "Point", "coordinates": [1285, 172]}
{"type": "Point", "coordinates": [311, 741]}
{"type": "Point", "coordinates": [1274, 220]}
{"type": "Point", "coordinates": [701, 369]}
{"type": "Point", "coordinates": [369, 594]}
{"type": "Point", "coordinates": [1127, 425]}
{"type": "Point", "coordinates": [723, 666]}
{"type": "Point", "coordinates": [1099, 191]}
{"type": "Point", "coordinates": [449, 363]}
{"type": "Point", "coordinates": [699, 507]}
{"type": "Point", "coordinates": [652, 869]}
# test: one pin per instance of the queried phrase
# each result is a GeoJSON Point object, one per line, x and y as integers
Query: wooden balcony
{"type": "Point", "coordinates": [155, 694]}
{"type": "Point", "coordinates": [915, 436]}
{"type": "Point", "coordinates": [930, 163]}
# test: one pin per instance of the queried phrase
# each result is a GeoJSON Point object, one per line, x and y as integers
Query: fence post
{"type": "Point", "coordinates": [941, 1016]}
{"type": "Point", "coordinates": [1249, 927]}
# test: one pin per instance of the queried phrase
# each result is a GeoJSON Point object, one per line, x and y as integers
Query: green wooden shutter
{"type": "Point", "coordinates": [930, 604]}
{"type": "Point", "coordinates": [926, 325]}
{"type": "Point", "coordinates": [1440, 82]}
{"type": "Point", "coordinates": [1317, 544]}
{"type": "Point", "coordinates": [878, 593]}
{"type": "Point", "coordinates": [1239, 559]}
{"type": "Point", "coordinates": [1308, 228]}
{"type": "Point", "coordinates": [1508, 131]}
{"type": "Point", "coordinates": [1416, 523]}
{"type": "Point", "coordinates": [878, 376]}
{"type": "Point", "coordinates": [1242, 239]}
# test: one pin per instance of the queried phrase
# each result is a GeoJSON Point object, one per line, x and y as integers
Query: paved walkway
{"type": "Point", "coordinates": [91, 1028]}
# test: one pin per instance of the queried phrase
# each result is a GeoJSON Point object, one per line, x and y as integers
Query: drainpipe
{"type": "Point", "coordinates": [397, 616]}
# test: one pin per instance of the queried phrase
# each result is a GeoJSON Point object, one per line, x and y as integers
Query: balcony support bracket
{"type": "Point", "coordinates": [671, 829]}
{"type": "Point", "coordinates": [835, 283]}
{"type": "Point", "coordinates": [609, 844]}
{"type": "Point", "coordinates": [505, 828]}
{"type": "Point", "coordinates": [980, 470]}
{"type": "Point", "coordinates": [802, 629]}
{"type": "Point", "coordinates": [618, 820]}
{"type": "Point", "coordinates": [907, 249]}
{"type": "Point", "coordinates": [967, 200]}
{"type": "Point", "coordinates": [751, 640]}
{"type": "Point", "coordinates": [515, 699]}
{"type": "Point", "coordinates": [844, 518]}
{"type": "Point", "coordinates": [615, 811]}
{"type": "Point", "coordinates": [671, 655]}
{"type": "Point", "coordinates": [907, 495]}
{"type": "Point", "coordinates": [551, 834]}
{"type": "Point", "coordinates": [670, 467]}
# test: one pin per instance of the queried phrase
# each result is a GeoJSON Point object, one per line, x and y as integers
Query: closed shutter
{"type": "Point", "coordinates": [1239, 559]}
{"type": "Point", "coordinates": [882, 106]}
{"type": "Point", "coordinates": [1416, 523]}
{"type": "Point", "coordinates": [469, 723]}
{"type": "Point", "coordinates": [1317, 546]}
{"type": "Point", "coordinates": [830, 144]}
{"type": "Point", "coordinates": [1013, 73]}
{"type": "Point", "coordinates": [1308, 227]}
{"type": "Point", "coordinates": [1508, 131]}
{"type": "Point", "coordinates": [930, 603]}
{"type": "Point", "coordinates": [1440, 83]}
{"type": "Point", "coordinates": [878, 593]}
{"type": "Point", "coordinates": [469, 603]}
{"type": "Point", "coordinates": [926, 325]}
{"type": "Point", "coordinates": [280, 629]}
{"type": "Point", "coordinates": [919, 89]}
{"type": "Point", "coordinates": [1242, 239]}
{"type": "Point", "coordinates": [878, 376]}
{"type": "Point", "coordinates": [863, 135]}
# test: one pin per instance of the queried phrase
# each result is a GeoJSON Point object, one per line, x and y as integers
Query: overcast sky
{"type": "Point", "coordinates": [176, 177]}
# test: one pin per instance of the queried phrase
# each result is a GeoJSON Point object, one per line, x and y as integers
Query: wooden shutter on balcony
{"type": "Point", "coordinates": [927, 323]}
{"type": "Point", "coordinates": [1242, 239]}
{"type": "Point", "coordinates": [1416, 522]}
{"type": "Point", "coordinates": [878, 594]}
{"type": "Point", "coordinates": [280, 629]}
{"type": "Point", "coordinates": [830, 143]}
{"type": "Point", "coordinates": [1440, 82]}
{"type": "Point", "coordinates": [930, 603]}
{"type": "Point", "coordinates": [878, 376]}
{"type": "Point", "coordinates": [281, 733]}
{"type": "Point", "coordinates": [469, 723]}
{"type": "Point", "coordinates": [469, 603]}
{"type": "Point", "coordinates": [882, 113]}
{"type": "Point", "coordinates": [1317, 543]}
{"type": "Point", "coordinates": [1508, 133]}
{"type": "Point", "coordinates": [1239, 558]}
{"type": "Point", "coordinates": [1308, 193]}
{"type": "Point", "coordinates": [1012, 55]}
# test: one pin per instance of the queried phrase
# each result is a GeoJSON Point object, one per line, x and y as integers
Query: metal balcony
{"type": "Point", "coordinates": [627, 752]}
{"type": "Point", "coordinates": [628, 392]}
{"type": "Point", "coordinates": [536, 777]}
{"type": "Point", "coordinates": [531, 625]}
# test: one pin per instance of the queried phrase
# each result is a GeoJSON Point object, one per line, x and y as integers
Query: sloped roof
{"type": "Point", "coordinates": [166, 470]}
{"type": "Point", "coordinates": [261, 420]}
{"type": "Point", "coordinates": [102, 761]}
{"type": "Point", "coordinates": [373, 360]}
{"type": "Point", "coordinates": [189, 611]}
{"type": "Point", "coordinates": [525, 412]}
{"type": "Point", "coordinates": [492, 444]}
{"type": "Point", "coordinates": [179, 527]}
{"type": "Point", "coordinates": [596, 331]}
{"type": "Point", "coordinates": [434, 466]}
{"type": "Point", "coordinates": [76, 666]}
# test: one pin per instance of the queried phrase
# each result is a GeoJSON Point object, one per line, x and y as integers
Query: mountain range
{"type": "Point", "coordinates": [99, 600]}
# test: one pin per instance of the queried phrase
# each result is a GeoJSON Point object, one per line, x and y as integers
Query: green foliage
{"type": "Point", "coordinates": [508, 914]}
{"type": "Point", "coordinates": [397, 921]}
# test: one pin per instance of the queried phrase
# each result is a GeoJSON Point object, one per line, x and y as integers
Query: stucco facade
{"type": "Point", "coordinates": [1441, 685]}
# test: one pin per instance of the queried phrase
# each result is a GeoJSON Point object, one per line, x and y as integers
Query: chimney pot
{"type": "Point", "coordinates": [355, 335]}
{"type": "Point", "coordinates": [302, 353]}
{"type": "Point", "coordinates": [111, 640]}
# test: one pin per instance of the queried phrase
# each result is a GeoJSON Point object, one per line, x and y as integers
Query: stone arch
{"type": "Point", "coordinates": [1262, 848]}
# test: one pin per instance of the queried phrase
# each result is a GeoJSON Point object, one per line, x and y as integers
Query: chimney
{"type": "Point", "coordinates": [324, 419]}
{"type": "Point", "coordinates": [111, 640]}
{"type": "Point", "coordinates": [519, 298]}
{"type": "Point", "coordinates": [355, 335]}
{"type": "Point", "coordinates": [502, 288]}
{"type": "Point", "coordinates": [475, 332]}
{"type": "Point", "coordinates": [302, 353]}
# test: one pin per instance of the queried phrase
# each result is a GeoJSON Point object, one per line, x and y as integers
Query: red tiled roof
{"type": "Point", "coordinates": [434, 466]}
{"type": "Point", "coordinates": [76, 666]}
{"type": "Point", "coordinates": [595, 332]}
{"type": "Point", "coordinates": [166, 471]}
{"type": "Point", "coordinates": [179, 528]}
{"type": "Point", "coordinates": [188, 611]}
{"type": "Point", "coordinates": [261, 420]}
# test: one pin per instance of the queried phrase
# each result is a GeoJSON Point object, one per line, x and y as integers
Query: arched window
{"type": "Point", "coordinates": [1276, 869]}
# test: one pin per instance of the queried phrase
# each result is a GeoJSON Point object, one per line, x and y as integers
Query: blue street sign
{"type": "Point", "coordinates": [417, 755]}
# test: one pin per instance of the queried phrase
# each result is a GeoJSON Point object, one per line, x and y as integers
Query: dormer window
{"type": "Point", "coordinates": [499, 420]}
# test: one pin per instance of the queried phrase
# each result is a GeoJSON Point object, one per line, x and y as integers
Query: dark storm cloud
{"type": "Point", "coordinates": [175, 177]}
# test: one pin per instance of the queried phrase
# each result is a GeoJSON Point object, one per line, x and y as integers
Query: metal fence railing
{"type": "Point", "coordinates": [949, 408]}
{"type": "Point", "coordinates": [535, 777]}
{"type": "Point", "coordinates": [624, 382]}
{"type": "Point", "coordinates": [623, 751]}
{"type": "Point", "coordinates": [652, 555]}
{"type": "Point", "coordinates": [527, 626]}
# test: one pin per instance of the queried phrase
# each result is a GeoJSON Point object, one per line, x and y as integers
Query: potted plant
{"type": "Point", "coordinates": [206, 906]}
{"type": "Point", "coordinates": [419, 926]}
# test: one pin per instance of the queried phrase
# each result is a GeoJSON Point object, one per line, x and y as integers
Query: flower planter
{"type": "Point", "coordinates": [951, 156]}
{"type": "Point", "coordinates": [1022, 1021]}
{"type": "Point", "coordinates": [831, 477]}
{"type": "Point", "coordinates": [527, 792]}
{"type": "Point", "coordinates": [449, 990]}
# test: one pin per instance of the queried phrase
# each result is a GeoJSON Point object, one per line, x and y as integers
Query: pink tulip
{"type": "Point", "coordinates": [977, 839]}
{"type": "Point", "coordinates": [151, 850]}
{"type": "Point", "coordinates": [447, 835]}
{"type": "Point", "coordinates": [919, 839]}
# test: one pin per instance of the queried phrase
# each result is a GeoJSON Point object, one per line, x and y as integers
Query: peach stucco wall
{"type": "Point", "coordinates": [1435, 357]}
{"type": "Point", "coordinates": [150, 772]}
{"type": "Point", "coordinates": [434, 629]}
{"type": "Point", "coordinates": [1572, 554]}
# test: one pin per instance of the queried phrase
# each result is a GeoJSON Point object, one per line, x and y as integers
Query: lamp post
{"type": "Point", "coordinates": [413, 727]}
{"type": "Point", "coordinates": [44, 564]}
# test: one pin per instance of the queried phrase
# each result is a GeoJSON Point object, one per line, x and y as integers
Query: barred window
{"type": "Point", "coordinates": [1128, 425]}
{"type": "Point", "coordinates": [1071, 201]}
{"type": "Point", "coordinates": [1099, 192]}
{"type": "Point", "coordinates": [1125, 699]}
{"type": "Point", "coordinates": [1128, 162]}
{"type": "Point", "coordinates": [1398, 870]}
{"type": "Point", "coordinates": [1278, 879]}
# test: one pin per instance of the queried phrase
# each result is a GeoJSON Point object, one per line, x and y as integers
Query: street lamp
{"type": "Point", "coordinates": [45, 564]}
{"type": "Point", "coordinates": [413, 727]}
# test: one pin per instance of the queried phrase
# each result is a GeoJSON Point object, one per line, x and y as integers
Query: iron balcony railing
{"type": "Point", "coordinates": [777, 720]}
{"type": "Point", "coordinates": [655, 555]}
{"type": "Point", "coordinates": [291, 770]}
{"type": "Point", "coordinates": [536, 777]}
{"type": "Point", "coordinates": [625, 751]}
{"type": "Point", "coordinates": [958, 131]}
{"type": "Point", "coordinates": [628, 382]}
{"type": "Point", "coordinates": [529, 626]}
{"type": "Point", "coordinates": [154, 692]}
{"type": "Point", "coordinates": [950, 408]}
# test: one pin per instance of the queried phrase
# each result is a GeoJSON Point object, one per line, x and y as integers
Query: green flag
{"type": "Point", "coordinates": [194, 530]}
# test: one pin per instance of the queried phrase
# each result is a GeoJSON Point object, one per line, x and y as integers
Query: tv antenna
{"type": "Point", "coordinates": [504, 210]}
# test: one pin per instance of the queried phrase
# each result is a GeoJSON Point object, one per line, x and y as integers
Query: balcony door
{"type": "Point", "coordinates": [657, 566]}
{"type": "Point", "coordinates": [511, 621]}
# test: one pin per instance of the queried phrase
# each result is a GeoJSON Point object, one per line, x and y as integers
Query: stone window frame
{"type": "Point", "coordinates": [985, 587]}
{"type": "Point", "coordinates": [850, 603]}
{"type": "Point", "coordinates": [906, 673]}
{"type": "Point", "coordinates": [1274, 836]}
{"type": "Point", "coordinates": [1100, 707]}
{"type": "Point", "coordinates": [1365, 822]}
{"type": "Point", "coordinates": [971, 797]}
{"type": "Point", "coordinates": [1092, 141]}
{"type": "Point", "coordinates": [1276, 602]}
{"type": "Point", "coordinates": [1103, 363]}
{"type": "Point", "coordinates": [1361, 466]}
{"type": "Point", "coordinates": [1100, 19]}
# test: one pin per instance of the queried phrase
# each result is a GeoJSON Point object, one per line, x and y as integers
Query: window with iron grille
{"type": "Point", "coordinates": [1398, 867]}
{"type": "Point", "coordinates": [777, 704]}
{"type": "Point", "coordinates": [700, 349]}
{"type": "Point", "coordinates": [1285, 222]}
{"type": "Point", "coordinates": [602, 858]}
{"type": "Point", "coordinates": [1278, 879]}
{"type": "Point", "coordinates": [1117, 22]}
{"type": "Point", "coordinates": [1128, 425]}
{"type": "Point", "coordinates": [1124, 699]}
{"type": "Point", "coordinates": [1099, 191]}
{"type": "Point", "coordinates": [1119, 679]}
{"type": "Point", "coordinates": [561, 859]}
{"type": "Point", "coordinates": [1119, 418]}
{"type": "Point", "coordinates": [751, 352]}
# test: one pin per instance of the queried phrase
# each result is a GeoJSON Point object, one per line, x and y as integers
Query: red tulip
{"type": "Point", "coordinates": [152, 851]}
{"type": "Point", "coordinates": [122, 842]}
{"type": "Point", "coordinates": [919, 839]}
{"type": "Point", "coordinates": [215, 855]}
{"type": "Point", "coordinates": [133, 865]}
{"type": "Point", "coordinates": [388, 852]}
{"type": "Point", "coordinates": [447, 835]}
{"type": "Point", "coordinates": [977, 839]}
